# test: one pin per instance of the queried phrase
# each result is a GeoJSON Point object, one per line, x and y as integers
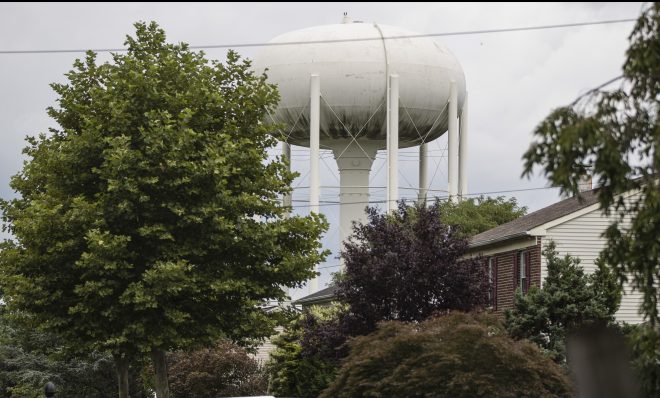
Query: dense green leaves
{"type": "Point", "coordinates": [616, 137]}
{"type": "Point", "coordinates": [150, 217]}
{"type": "Point", "coordinates": [306, 357]}
{"type": "Point", "coordinates": [569, 299]}
{"type": "Point", "coordinates": [646, 351]}
{"type": "Point", "coordinates": [476, 215]}
{"type": "Point", "coordinates": [30, 358]}
{"type": "Point", "coordinates": [456, 355]}
{"type": "Point", "coordinates": [405, 265]}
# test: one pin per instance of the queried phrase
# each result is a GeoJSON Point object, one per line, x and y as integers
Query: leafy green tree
{"type": "Point", "coordinates": [645, 351]}
{"type": "Point", "coordinates": [29, 358]}
{"type": "Point", "coordinates": [404, 265]}
{"type": "Point", "coordinates": [305, 359]}
{"type": "Point", "coordinates": [476, 215]}
{"type": "Point", "coordinates": [569, 299]}
{"type": "Point", "coordinates": [225, 370]}
{"type": "Point", "coordinates": [616, 136]}
{"type": "Point", "coordinates": [149, 220]}
{"type": "Point", "coordinates": [455, 355]}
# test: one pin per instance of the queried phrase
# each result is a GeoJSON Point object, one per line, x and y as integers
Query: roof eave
{"type": "Point", "coordinates": [498, 240]}
{"type": "Point", "coordinates": [314, 299]}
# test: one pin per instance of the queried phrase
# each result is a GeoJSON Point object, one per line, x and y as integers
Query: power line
{"type": "Point", "coordinates": [290, 43]}
{"type": "Point", "coordinates": [329, 266]}
{"type": "Point", "coordinates": [335, 203]}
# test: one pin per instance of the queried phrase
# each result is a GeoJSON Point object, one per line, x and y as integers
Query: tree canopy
{"type": "Point", "coordinates": [405, 265]}
{"type": "Point", "coordinates": [476, 215]}
{"type": "Point", "coordinates": [150, 219]}
{"type": "Point", "coordinates": [29, 358]}
{"type": "Point", "coordinates": [408, 265]}
{"type": "Point", "coordinates": [307, 353]}
{"type": "Point", "coordinates": [615, 136]}
{"type": "Point", "coordinates": [569, 299]}
{"type": "Point", "coordinates": [455, 355]}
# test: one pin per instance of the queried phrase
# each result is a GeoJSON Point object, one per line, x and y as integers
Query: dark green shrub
{"type": "Point", "coordinates": [456, 355]}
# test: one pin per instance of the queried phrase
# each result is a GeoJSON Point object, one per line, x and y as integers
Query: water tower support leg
{"type": "Point", "coordinates": [462, 151]}
{"type": "Point", "coordinates": [314, 150]}
{"type": "Point", "coordinates": [423, 172]}
{"type": "Point", "coordinates": [393, 144]}
{"type": "Point", "coordinates": [453, 143]}
{"type": "Point", "coordinates": [286, 154]}
{"type": "Point", "coordinates": [286, 199]}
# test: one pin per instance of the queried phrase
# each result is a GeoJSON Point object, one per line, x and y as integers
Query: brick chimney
{"type": "Point", "coordinates": [585, 183]}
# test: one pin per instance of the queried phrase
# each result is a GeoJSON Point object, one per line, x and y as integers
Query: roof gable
{"type": "Point", "coordinates": [521, 226]}
{"type": "Point", "coordinates": [322, 295]}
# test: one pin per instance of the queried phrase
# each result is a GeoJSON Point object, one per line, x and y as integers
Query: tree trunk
{"type": "Point", "coordinates": [160, 368]}
{"type": "Point", "coordinates": [121, 365]}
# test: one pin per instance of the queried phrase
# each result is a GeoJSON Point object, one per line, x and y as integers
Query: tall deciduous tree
{"type": "Point", "coordinates": [407, 265]}
{"type": "Point", "coordinates": [149, 219]}
{"type": "Point", "coordinates": [476, 215]}
{"type": "Point", "coordinates": [616, 137]}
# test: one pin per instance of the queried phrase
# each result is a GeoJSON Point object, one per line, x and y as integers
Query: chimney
{"type": "Point", "coordinates": [346, 18]}
{"type": "Point", "coordinates": [585, 183]}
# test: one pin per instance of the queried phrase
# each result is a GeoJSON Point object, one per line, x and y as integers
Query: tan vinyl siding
{"type": "Point", "coordinates": [263, 351]}
{"type": "Point", "coordinates": [582, 237]}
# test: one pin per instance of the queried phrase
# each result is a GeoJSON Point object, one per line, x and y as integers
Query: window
{"type": "Point", "coordinates": [491, 281]}
{"type": "Point", "coordinates": [522, 268]}
{"type": "Point", "coordinates": [522, 271]}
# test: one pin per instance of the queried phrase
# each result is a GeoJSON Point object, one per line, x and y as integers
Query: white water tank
{"type": "Point", "coordinates": [353, 76]}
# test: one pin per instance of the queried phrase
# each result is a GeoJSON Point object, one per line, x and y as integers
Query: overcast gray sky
{"type": "Point", "coordinates": [514, 79]}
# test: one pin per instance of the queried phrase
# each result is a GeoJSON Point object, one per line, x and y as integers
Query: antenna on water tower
{"type": "Point", "coordinates": [346, 18]}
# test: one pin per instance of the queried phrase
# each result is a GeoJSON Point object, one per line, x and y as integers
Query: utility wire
{"type": "Point", "coordinates": [296, 43]}
{"type": "Point", "coordinates": [429, 199]}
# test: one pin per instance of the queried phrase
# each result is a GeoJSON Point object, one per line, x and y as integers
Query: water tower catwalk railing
{"type": "Point", "coordinates": [355, 158]}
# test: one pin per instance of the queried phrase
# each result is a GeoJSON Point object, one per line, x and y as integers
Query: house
{"type": "Point", "coordinates": [513, 250]}
{"type": "Point", "coordinates": [323, 297]}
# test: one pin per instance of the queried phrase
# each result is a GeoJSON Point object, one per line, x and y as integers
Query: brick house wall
{"type": "Point", "coordinates": [504, 278]}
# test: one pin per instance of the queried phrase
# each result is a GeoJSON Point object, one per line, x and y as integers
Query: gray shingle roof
{"type": "Point", "coordinates": [520, 226]}
{"type": "Point", "coordinates": [322, 295]}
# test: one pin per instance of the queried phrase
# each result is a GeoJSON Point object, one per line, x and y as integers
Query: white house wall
{"type": "Point", "coordinates": [582, 237]}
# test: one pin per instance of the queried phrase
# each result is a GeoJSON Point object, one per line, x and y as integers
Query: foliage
{"type": "Point", "coordinates": [645, 343]}
{"type": "Point", "coordinates": [150, 218]}
{"type": "Point", "coordinates": [616, 137]}
{"type": "Point", "coordinates": [222, 371]}
{"type": "Point", "coordinates": [476, 215]}
{"type": "Point", "coordinates": [324, 332]}
{"type": "Point", "coordinates": [30, 358]}
{"type": "Point", "coordinates": [306, 357]}
{"type": "Point", "coordinates": [407, 265]}
{"type": "Point", "coordinates": [455, 355]}
{"type": "Point", "coordinates": [568, 299]}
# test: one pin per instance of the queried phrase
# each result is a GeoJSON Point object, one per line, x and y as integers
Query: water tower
{"type": "Point", "coordinates": [356, 88]}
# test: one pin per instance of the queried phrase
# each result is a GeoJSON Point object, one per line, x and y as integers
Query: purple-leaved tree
{"type": "Point", "coordinates": [408, 265]}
